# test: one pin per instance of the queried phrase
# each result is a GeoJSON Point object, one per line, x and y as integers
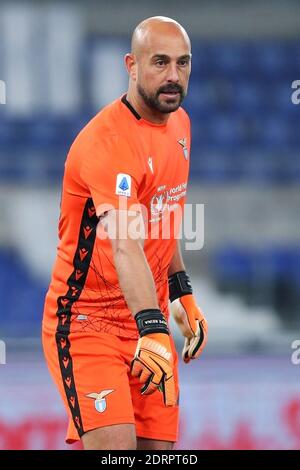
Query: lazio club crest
{"type": "Point", "coordinates": [100, 400]}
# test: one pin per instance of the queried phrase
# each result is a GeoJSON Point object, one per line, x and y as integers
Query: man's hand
{"type": "Point", "coordinates": [193, 325]}
{"type": "Point", "coordinates": [188, 316]}
{"type": "Point", "coordinates": [153, 361]}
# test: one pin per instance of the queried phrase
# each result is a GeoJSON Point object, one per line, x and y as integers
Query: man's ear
{"type": "Point", "coordinates": [131, 65]}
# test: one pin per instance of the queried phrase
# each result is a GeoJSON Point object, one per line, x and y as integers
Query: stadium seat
{"type": "Point", "coordinates": [22, 297]}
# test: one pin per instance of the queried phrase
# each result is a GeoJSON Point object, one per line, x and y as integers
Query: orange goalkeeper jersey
{"type": "Point", "coordinates": [118, 160]}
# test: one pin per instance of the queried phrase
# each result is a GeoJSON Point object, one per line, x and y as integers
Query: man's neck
{"type": "Point", "coordinates": [144, 111]}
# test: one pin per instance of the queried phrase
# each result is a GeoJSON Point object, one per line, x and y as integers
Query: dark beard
{"type": "Point", "coordinates": [153, 102]}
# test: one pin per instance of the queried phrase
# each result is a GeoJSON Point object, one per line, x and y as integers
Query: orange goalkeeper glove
{"type": "Point", "coordinates": [187, 315]}
{"type": "Point", "coordinates": [153, 360]}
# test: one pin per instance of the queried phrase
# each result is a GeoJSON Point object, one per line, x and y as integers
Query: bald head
{"type": "Point", "coordinates": [151, 29]}
{"type": "Point", "coordinates": [159, 66]}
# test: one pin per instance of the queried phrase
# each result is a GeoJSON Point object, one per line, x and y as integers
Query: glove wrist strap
{"type": "Point", "coordinates": [151, 321]}
{"type": "Point", "coordinates": [179, 285]}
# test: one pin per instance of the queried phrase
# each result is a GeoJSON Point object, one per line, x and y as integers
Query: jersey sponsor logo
{"type": "Point", "coordinates": [159, 203]}
{"type": "Point", "coordinates": [150, 163]}
{"type": "Point", "coordinates": [123, 185]}
{"type": "Point", "coordinates": [165, 200]}
{"type": "Point", "coordinates": [100, 400]}
{"type": "Point", "coordinates": [183, 143]}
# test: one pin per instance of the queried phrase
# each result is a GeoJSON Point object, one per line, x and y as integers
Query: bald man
{"type": "Point", "coordinates": [105, 329]}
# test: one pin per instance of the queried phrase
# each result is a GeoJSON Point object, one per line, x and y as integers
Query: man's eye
{"type": "Point", "coordinates": [183, 62]}
{"type": "Point", "coordinates": [160, 62]}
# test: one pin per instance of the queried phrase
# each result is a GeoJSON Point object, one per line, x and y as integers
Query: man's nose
{"type": "Point", "coordinates": [172, 73]}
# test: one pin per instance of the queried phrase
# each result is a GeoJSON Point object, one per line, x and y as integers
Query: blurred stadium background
{"type": "Point", "coordinates": [61, 62]}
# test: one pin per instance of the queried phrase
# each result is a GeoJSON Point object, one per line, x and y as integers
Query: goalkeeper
{"type": "Point", "coordinates": [105, 327]}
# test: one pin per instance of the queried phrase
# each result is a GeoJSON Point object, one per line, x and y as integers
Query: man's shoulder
{"type": "Point", "coordinates": [109, 118]}
{"type": "Point", "coordinates": [107, 125]}
{"type": "Point", "coordinates": [180, 119]}
{"type": "Point", "coordinates": [183, 115]}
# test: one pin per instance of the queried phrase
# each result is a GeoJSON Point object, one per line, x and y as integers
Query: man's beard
{"type": "Point", "coordinates": [169, 106]}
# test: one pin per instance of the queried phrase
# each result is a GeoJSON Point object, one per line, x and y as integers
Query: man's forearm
{"type": "Point", "coordinates": [135, 276]}
{"type": "Point", "coordinates": [177, 263]}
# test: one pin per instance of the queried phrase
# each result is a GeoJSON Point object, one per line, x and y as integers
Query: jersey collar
{"type": "Point", "coordinates": [130, 107]}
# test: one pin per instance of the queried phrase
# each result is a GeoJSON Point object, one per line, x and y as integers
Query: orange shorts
{"type": "Point", "coordinates": [92, 373]}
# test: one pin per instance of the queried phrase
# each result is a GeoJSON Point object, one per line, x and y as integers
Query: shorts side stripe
{"type": "Point", "coordinates": [76, 282]}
